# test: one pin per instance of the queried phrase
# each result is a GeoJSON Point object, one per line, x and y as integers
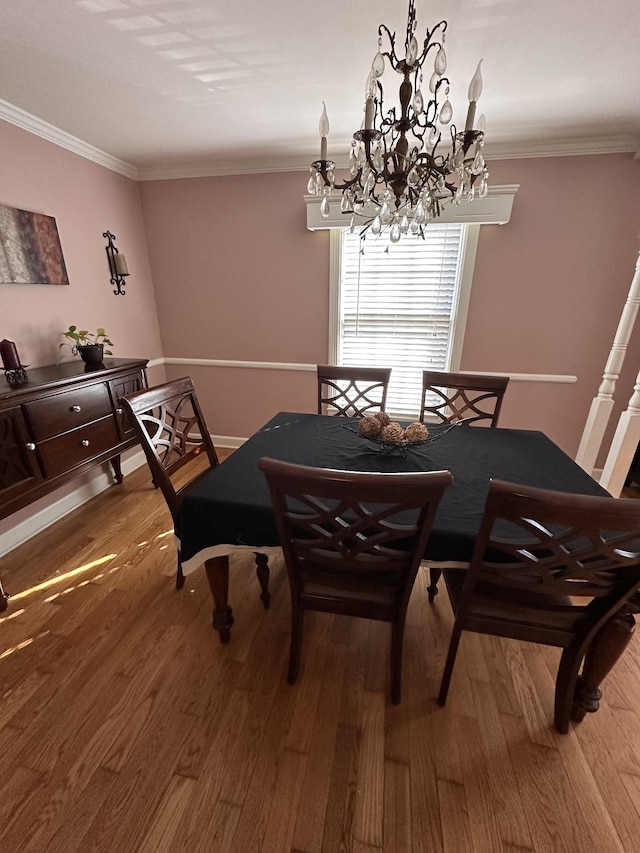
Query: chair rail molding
{"type": "Point", "coordinates": [562, 378]}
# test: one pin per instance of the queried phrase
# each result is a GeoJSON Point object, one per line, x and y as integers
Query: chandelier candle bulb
{"type": "Point", "coordinates": [120, 264]}
{"type": "Point", "coordinates": [471, 116]}
{"type": "Point", "coordinates": [368, 114]}
{"type": "Point", "coordinates": [475, 90]}
{"type": "Point", "coordinates": [324, 132]}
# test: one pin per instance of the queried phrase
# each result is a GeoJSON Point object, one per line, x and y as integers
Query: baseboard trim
{"type": "Point", "coordinates": [232, 441]}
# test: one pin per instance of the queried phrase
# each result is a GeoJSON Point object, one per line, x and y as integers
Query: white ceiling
{"type": "Point", "coordinates": [215, 86]}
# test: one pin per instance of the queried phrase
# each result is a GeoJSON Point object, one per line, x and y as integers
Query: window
{"type": "Point", "coordinates": [402, 305]}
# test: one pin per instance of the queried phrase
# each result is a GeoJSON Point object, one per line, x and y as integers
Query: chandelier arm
{"type": "Point", "coordinates": [432, 45]}
{"type": "Point", "coordinates": [392, 57]}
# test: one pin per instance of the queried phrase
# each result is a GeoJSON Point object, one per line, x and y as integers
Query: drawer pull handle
{"type": "Point", "coordinates": [30, 445]}
{"type": "Point", "coordinates": [85, 442]}
{"type": "Point", "coordinates": [76, 408]}
{"type": "Point", "coordinates": [118, 411]}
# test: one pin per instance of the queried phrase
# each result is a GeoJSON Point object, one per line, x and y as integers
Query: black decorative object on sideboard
{"type": "Point", "coordinates": [14, 371]}
{"type": "Point", "coordinates": [64, 421]}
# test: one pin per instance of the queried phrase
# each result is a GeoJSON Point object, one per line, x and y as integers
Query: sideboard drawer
{"type": "Point", "coordinates": [66, 411]}
{"type": "Point", "coordinates": [63, 452]}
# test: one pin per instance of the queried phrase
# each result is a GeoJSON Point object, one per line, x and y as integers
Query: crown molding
{"type": "Point", "coordinates": [494, 151]}
{"type": "Point", "coordinates": [268, 163]}
{"type": "Point", "coordinates": [26, 121]}
{"type": "Point", "coordinates": [621, 144]}
{"type": "Point", "coordinates": [216, 169]}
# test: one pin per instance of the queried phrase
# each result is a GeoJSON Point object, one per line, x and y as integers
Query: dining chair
{"type": "Point", "coordinates": [462, 396]}
{"type": "Point", "coordinates": [549, 568]}
{"type": "Point", "coordinates": [171, 428]}
{"type": "Point", "coordinates": [467, 397]}
{"type": "Point", "coordinates": [352, 391]}
{"type": "Point", "coordinates": [348, 544]}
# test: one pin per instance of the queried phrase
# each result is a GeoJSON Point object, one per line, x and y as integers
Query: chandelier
{"type": "Point", "coordinates": [400, 177]}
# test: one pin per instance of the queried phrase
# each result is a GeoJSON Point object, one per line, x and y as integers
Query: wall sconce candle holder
{"type": "Point", "coordinates": [117, 264]}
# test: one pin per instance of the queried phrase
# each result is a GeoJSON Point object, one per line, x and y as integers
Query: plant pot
{"type": "Point", "coordinates": [91, 353]}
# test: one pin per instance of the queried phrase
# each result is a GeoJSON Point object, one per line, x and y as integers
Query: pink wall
{"type": "Point", "coordinates": [549, 287]}
{"type": "Point", "coordinates": [238, 277]}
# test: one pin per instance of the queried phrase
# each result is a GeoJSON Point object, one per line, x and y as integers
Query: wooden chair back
{"type": "Point", "coordinates": [462, 396]}
{"type": "Point", "coordinates": [352, 543]}
{"type": "Point", "coordinates": [352, 391]}
{"type": "Point", "coordinates": [550, 568]}
{"type": "Point", "coordinates": [172, 430]}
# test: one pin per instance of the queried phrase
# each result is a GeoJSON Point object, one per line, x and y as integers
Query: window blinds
{"type": "Point", "coordinates": [397, 306]}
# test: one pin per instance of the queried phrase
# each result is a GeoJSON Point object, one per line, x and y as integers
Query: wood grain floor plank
{"type": "Point", "coordinates": [397, 807]}
{"type": "Point", "coordinates": [550, 804]}
{"type": "Point", "coordinates": [369, 805]}
{"type": "Point", "coordinates": [507, 804]}
{"type": "Point", "coordinates": [312, 809]}
{"type": "Point", "coordinates": [476, 781]}
{"type": "Point", "coordinates": [161, 837]}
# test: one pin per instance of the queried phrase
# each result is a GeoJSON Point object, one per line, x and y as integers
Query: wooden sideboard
{"type": "Point", "coordinates": [64, 421]}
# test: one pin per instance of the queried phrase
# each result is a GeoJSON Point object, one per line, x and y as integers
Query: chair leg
{"type": "Point", "coordinates": [566, 681]}
{"type": "Point", "coordinates": [603, 652]}
{"type": "Point", "coordinates": [397, 639]}
{"type": "Point", "coordinates": [448, 667]}
{"type": "Point", "coordinates": [434, 577]}
{"type": "Point", "coordinates": [297, 618]}
{"type": "Point", "coordinates": [262, 571]}
{"type": "Point", "coordinates": [179, 574]}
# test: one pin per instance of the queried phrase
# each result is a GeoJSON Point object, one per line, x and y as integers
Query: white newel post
{"type": "Point", "coordinates": [602, 404]}
{"type": "Point", "coordinates": [623, 446]}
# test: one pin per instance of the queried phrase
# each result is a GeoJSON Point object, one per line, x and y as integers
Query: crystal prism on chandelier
{"type": "Point", "coordinates": [400, 178]}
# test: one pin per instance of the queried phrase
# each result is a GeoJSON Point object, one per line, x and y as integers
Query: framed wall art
{"type": "Point", "coordinates": [30, 249]}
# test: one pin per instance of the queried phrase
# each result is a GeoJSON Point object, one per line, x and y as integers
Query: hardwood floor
{"type": "Point", "coordinates": [126, 726]}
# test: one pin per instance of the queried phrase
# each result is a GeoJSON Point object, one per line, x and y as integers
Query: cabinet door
{"type": "Point", "coordinates": [120, 387]}
{"type": "Point", "coordinates": [19, 469]}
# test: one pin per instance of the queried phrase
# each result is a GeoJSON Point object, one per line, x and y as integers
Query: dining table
{"type": "Point", "coordinates": [230, 507]}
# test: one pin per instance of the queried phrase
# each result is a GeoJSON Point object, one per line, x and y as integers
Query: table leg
{"type": "Point", "coordinates": [262, 571]}
{"type": "Point", "coordinates": [434, 577]}
{"type": "Point", "coordinates": [218, 576]}
{"type": "Point", "coordinates": [4, 598]}
{"type": "Point", "coordinates": [605, 650]}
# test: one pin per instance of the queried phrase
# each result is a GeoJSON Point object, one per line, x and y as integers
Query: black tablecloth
{"type": "Point", "coordinates": [231, 505]}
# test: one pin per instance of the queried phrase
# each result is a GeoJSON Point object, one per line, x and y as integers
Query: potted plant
{"type": "Point", "coordinates": [88, 345]}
